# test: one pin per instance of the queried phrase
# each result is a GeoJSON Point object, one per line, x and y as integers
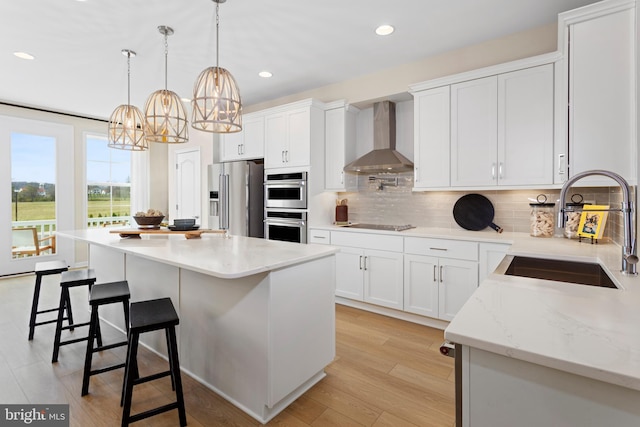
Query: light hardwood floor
{"type": "Point", "coordinates": [387, 372]}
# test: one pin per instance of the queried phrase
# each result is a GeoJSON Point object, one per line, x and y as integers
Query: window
{"type": "Point", "coordinates": [108, 183]}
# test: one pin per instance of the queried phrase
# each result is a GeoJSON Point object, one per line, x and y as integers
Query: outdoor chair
{"type": "Point", "coordinates": [25, 242]}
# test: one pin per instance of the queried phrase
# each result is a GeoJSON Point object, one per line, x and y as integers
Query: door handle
{"type": "Point", "coordinates": [365, 263]}
{"type": "Point", "coordinates": [561, 167]}
{"type": "Point", "coordinates": [283, 156]}
{"type": "Point", "coordinates": [441, 275]}
{"type": "Point", "coordinates": [361, 262]}
{"type": "Point", "coordinates": [493, 171]}
{"type": "Point", "coordinates": [435, 268]}
{"type": "Point", "coordinates": [500, 170]}
{"type": "Point", "coordinates": [238, 148]}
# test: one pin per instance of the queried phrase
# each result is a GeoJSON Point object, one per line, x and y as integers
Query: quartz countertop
{"type": "Point", "coordinates": [585, 330]}
{"type": "Point", "coordinates": [213, 254]}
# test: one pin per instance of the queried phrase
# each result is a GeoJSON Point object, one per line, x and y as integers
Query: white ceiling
{"type": "Point", "coordinates": [79, 67]}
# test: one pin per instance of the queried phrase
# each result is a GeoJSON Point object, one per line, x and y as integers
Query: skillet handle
{"type": "Point", "coordinates": [495, 227]}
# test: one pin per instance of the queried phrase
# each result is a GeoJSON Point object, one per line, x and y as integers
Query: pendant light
{"type": "Point", "coordinates": [126, 124]}
{"type": "Point", "coordinates": [164, 113]}
{"type": "Point", "coordinates": [216, 98]}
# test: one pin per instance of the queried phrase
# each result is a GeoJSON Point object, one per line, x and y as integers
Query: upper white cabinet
{"type": "Point", "coordinates": [340, 146]}
{"type": "Point", "coordinates": [525, 126]}
{"type": "Point", "coordinates": [289, 132]}
{"type": "Point", "coordinates": [246, 144]}
{"type": "Point", "coordinates": [431, 137]}
{"type": "Point", "coordinates": [600, 44]}
{"type": "Point", "coordinates": [474, 134]}
{"type": "Point", "coordinates": [502, 129]}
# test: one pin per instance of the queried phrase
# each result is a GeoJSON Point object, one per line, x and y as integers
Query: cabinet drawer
{"type": "Point", "coordinates": [320, 236]}
{"type": "Point", "coordinates": [367, 241]}
{"type": "Point", "coordinates": [457, 249]}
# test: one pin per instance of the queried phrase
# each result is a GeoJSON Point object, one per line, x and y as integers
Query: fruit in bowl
{"type": "Point", "coordinates": [149, 219]}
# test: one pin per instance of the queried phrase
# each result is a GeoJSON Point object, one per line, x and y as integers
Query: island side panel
{"type": "Point", "coordinates": [502, 391]}
{"type": "Point", "coordinates": [224, 332]}
{"type": "Point", "coordinates": [302, 326]}
{"type": "Point", "coordinates": [152, 280]}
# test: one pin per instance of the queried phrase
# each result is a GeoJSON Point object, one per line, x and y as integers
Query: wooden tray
{"type": "Point", "coordinates": [136, 232]}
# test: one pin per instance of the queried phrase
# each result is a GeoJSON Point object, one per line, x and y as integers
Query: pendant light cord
{"type": "Point", "coordinates": [128, 78]}
{"type": "Point", "coordinates": [217, 37]}
{"type": "Point", "coordinates": [166, 56]}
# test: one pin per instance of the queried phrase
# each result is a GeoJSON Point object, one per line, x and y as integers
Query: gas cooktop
{"type": "Point", "coordinates": [381, 227]}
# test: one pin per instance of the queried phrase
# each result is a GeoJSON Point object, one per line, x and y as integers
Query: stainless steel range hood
{"type": "Point", "coordinates": [384, 157]}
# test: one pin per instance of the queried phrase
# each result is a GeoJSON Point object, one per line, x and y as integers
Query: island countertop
{"type": "Point", "coordinates": [227, 257]}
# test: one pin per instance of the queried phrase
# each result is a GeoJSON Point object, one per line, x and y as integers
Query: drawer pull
{"type": "Point", "coordinates": [438, 249]}
{"type": "Point", "coordinates": [319, 237]}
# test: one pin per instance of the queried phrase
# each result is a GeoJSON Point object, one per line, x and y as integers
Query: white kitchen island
{"type": "Point", "coordinates": [257, 317]}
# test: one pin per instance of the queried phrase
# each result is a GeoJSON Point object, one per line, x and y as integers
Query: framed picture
{"type": "Point", "coordinates": [592, 223]}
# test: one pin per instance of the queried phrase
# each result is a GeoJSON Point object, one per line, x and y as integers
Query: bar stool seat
{"type": "Point", "coordinates": [101, 294]}
{"type": "Point", "coordinates": [43, 269]}
{"type": "Point", "coordinates": [147, 316]}
{"type": "Point", "coordinates": [71, 279]}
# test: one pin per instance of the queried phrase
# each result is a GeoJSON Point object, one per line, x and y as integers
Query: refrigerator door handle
{"type": "Point", "coordinates": [224, 201]}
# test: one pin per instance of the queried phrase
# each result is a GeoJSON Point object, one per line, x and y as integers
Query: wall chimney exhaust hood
{"type": "Point", "coordinates": [384, 158]}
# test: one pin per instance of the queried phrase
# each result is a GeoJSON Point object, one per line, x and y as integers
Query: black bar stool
{"type": "Point", "coordinates": [101, 294]}
{"type": "Point", "coordinates": [147, 316]}
{"type": "Point", "coordinates": [71, 279]}
{"type": "Point", "coordinates": [43, 269]}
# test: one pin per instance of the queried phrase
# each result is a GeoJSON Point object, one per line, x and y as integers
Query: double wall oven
{"type": "Point", "coordinates": [285, 204]}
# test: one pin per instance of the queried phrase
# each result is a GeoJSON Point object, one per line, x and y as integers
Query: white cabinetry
{"type": "Point", "coordinates": [490, 256]}
{"type": "Point", "coordinates": [440, 275]}
{"type": "Point", "coordinates": [340, 146]}
{"type": "Point", "coordinates": [369, 268]}
{"type": "Point", "coordinates": [290, 131]}
{"type": "Point", "coordinates": [502, 129]}
{"type": "Point", "coordinates": [525, 126]}
{"type": "Point", "coordinates": [246, 144]}
{"type": "Point", "coordinates": [474, 134]}
{"type": "Point", "coordinates": [431, 138]}
{"type": "Point", "coordinates": [600, 42]}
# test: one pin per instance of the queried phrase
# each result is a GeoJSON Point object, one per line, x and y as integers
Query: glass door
{"type": "Point", "coordinates": [36, 193]}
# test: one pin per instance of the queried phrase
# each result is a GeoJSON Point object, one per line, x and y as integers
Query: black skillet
{"type": "Point", "coordinates": [474, 212]}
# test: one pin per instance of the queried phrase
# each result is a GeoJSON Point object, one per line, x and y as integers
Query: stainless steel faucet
{"type": "Point", "coordinates": [629, 257]}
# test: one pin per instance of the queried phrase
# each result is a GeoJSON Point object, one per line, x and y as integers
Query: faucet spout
{"type": "Point", "coordinates": [629, 257]}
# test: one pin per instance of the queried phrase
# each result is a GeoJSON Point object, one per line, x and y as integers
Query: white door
{"type": "Point", "coordinates": [37, 191]}
{"type": "Point", "coordinates": [474, 133]}
{"type": "Point", "coordinates": [187, 184]}
{"type": "Point", "coordinates": [457, 281]}
{"type": "Point", "coordinates": [349, 273]}
{"type": "Point", "coordinates": [383, 282]}
{"type": "Point", "coordinates": [421, 285]}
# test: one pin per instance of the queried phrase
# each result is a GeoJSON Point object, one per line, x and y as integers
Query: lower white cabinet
{"type": "Point", "coordinates": [438, 287]}
{"type": "Point", "coordinates": [370, 275]}
{"type": "Point", "coordinates": [369, 268]}
{"type": "Point", "coordinates": [491, 255]}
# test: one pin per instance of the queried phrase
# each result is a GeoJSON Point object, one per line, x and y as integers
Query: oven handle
{"type": "Point", "coordinates": [285, 184]}
{"type": "Point", "coordinates": [285, 222]}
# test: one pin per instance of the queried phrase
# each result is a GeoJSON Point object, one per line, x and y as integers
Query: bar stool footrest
{"type": "Point", "coordinates": [46, 322]}
{"type": "Point", "coordinates": [152, 412]}
{"type": "Point", "coordinates": [47, 311]}
{"type": "Point", "coordinates": [73, 341]}
{"type": "Point", "coordinates": [110, 346]}
{"type": "Point", "coordinates": [106, 369]}
{"type": "Point", "coordinates": [75, 325]}
{"type": "Point", "coordinates": [152, 377]}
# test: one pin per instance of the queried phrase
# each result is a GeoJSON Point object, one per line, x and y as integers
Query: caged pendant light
{"type": "Point", "coordinates": [126, 124]}
{"type": "Point", "coordinates": [164, 113]}
{"type": "Point", "coordinates": [217, 106]}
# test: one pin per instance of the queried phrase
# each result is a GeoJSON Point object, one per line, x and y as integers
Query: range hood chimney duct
{"type": "Point", "coordinates": [384, 158]}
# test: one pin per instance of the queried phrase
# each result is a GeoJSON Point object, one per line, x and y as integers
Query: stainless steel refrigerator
{"type": "Point", "coordinates": [236, 197]}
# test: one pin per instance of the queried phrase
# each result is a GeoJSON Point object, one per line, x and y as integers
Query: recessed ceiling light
{"type": "Point", "coordinates": [24, 55]}
{"type": "Point", "coordinates": [384, 30]}
{"type": "Point", "coordinates": [265, 74]}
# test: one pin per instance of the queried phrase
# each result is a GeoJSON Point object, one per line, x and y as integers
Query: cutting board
{"type": "Point", "coordinates": [135, 232]}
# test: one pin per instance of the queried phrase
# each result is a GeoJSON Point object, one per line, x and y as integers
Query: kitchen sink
{"type": "Point", "coordinates": [582, 273]}
{"type": "Point", "coordinates": [381, 227]}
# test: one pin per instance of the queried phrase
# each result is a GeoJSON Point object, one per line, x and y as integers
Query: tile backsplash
{"type": "Point", "coordinates": [380, 201]}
